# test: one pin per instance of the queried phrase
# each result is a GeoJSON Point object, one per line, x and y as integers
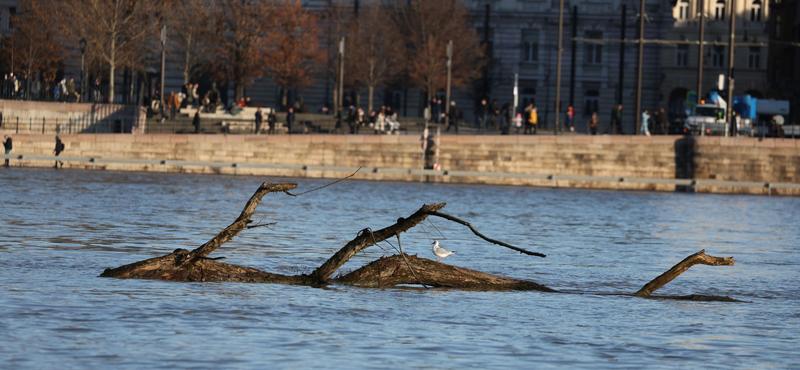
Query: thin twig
{"type": "Point", "coordinates": [484, 237]}
{"type": "Point", "coordinates": [324, 186]}
{"type": "Point", "coordinates": [268, 224]}
{"type": "Point", "coordinates": [408, 263]}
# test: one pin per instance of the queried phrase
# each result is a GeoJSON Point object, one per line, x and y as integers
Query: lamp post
{"type": "Point", "coordinates": [449, 82]}
{"type": "Point", "coordinates": [163, 62]}
{"type": "Point", "coordinates": [731, 56]}
{"type": "Point", "coordinates": [640, 64]}
{"type": "Point", "coordinates": [700, 46]}
{"type": "Point", "coordinates": [340, 93]}
{"type": "Point", "coordinates": [83, 69]}
{"type": "Point", "coordinates": [558, 64]}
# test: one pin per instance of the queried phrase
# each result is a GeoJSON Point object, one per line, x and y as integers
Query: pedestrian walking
{"type": "Point", "coordinates": [454, 117]}
{"type": "Point", "coordinates": [57, 151]}
{"type": "Point", "coordinates": [259, 120]}
{"type": "Point", "coordinates": [616, 120]}
{"type": "Point", "coordinates": [570, 118]}
{"type": "Point", "coordinates": [483, 114]}
{"type": "Point", "coordinates": [272, 119]}
{"type": "Point", "coordinates": [533, 119]}
{"type": "Point", "coordinates": [289, 120]}
{"type": "Point", "coordinates": [196, 121]}
{"type": "Point", "coordinates": [645, 123]}
{"type": "Point", "coordinates": [594, 122]}
{"type": "Point", "coordinates": [8, 145]}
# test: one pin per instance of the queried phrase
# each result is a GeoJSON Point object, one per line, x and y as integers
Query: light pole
{"type": "Point", "coordinates": [449, 81]}
{"type": "Point", "coordinates": [700, 47]}
{"type": "Point", "coordinates": [83, 69]}
{"type": "Point", "coordinates": [558, 64]}
{"type": "Point", "coordinates": [163, 63]}
{"type": "Point", "coordinates": [731, 56]}
{"type": "Point", "coordinates": [340, 93]}
{"type": "Point", "coordinates": [639, 72]}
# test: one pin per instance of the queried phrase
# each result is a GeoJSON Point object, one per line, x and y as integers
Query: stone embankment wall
{"type": "Point", "coordinates": [20, 116]}
{"type": "Point", "coordinates": [738, 165]}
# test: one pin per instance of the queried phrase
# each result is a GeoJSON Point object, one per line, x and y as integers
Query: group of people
{"type": "Point", "coordinates": [189, 96]}
{"type": "Point", "coordinates": [272, 121]}
{"type": "Point", "coordinates": [382, 121]}
{"type": "Point", "coordinates": [66, 89]}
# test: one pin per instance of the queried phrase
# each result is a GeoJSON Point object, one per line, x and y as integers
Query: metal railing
{"type": "Point", "coordinates": [73, 125]}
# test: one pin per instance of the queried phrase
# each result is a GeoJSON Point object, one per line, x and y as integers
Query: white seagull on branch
{"type": "Point", "coordinates": [440, 252]}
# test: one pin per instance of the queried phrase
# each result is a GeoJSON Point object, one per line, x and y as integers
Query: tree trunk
{"type": "Point", "coordinates": [387, 272]}
{"type": "Point", "coordinates": [112, 68]}
{"type": "Point", "coordinates": [239, 90]}
{"type": "Point", "coordinates": [700, 257]}
{"type": "Point", "coordinates": [187, 60]}
{"type": "Point", "coordinates": [370, 93]}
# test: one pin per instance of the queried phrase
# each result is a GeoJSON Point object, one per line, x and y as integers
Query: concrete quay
{"type": "Point", "coordinates": [658, 163]}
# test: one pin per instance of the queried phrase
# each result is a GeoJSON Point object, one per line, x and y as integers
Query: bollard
{"type": "Point", "coordinates": [17, 124]}
{"type": "Point", "coordinates": [43, 120]}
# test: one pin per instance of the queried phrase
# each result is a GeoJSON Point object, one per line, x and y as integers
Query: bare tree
{"type": "Point", "coordinates": [292, 46]}
{"type": "Point", "coordinates": [191, 23]}
{"type": "Point", "coordinates": [335, 19]}
{"type": "Point", "coordinates": [35, 40]}
{"type": "Point", "coordinates": [115, 31]}
{"type": "Point", "coordinates": [428, 26]}
{"type": "Point", "coordinates": [375, 51]}
{"type": "Point", "coordinates": [240, 31]}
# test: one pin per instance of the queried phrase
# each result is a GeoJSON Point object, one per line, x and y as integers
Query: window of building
{"type": "Point", "coordinates": [683, 10]}
{"type": "Point", "coordinates": [11, 13]}
{"type": "Point", "coordinates": [719, 10]}
{"type": "Point", "coordinates": [591, 101]}
{"type": "Point", "coordinates": [530, 45]}
{"type": "Point", "coordinates": [718, 56]}
{"type": "Point", "coordinates": [527, 92]}
{"type": "Point", "coordinates": [682, 55]}
{"type": "Point", "coordinates": [754, 59]}
{"type": "Point", "coordinates": [593, 52]}
{"type": "Point", "coordinates": [755, 11]}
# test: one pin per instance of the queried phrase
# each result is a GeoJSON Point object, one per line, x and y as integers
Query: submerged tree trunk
{"type": "Point", "coordinates": [386, 272]}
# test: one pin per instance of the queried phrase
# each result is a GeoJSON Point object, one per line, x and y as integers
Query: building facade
{"type": "Point", "coordinates": [679, 62]}
{"type": "Point", "coordinates": [599, 60]}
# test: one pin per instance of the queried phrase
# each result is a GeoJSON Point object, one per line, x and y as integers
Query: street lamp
{"type": "Point", "coordinates": [163, 62]}
{"type": "Point", "coordinates": [447, 110]}
{"type": "Point", "coordinates": [82, 44]}
{"type": "Point", "coordinates": [559, 54]}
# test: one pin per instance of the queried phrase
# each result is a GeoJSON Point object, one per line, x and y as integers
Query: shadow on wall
{"type": "Point", "coordinates": [684, 162]}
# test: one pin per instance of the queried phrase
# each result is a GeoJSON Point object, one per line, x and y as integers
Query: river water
{"type": "Point", "coordinates": [60, 228]}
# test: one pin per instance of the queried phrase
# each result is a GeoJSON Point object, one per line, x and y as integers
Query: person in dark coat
{"type": "Point", "coordinates": [616, 120]}
{"type": "Point", "coordinates": [259, 120]}
{"type": "Point", "coordinates": [289, 120]}
{"type": "Point", "coordinates": [271, 121]}
{"type": "Point", "coordinates": [454, 115]}
{"type": "Point", "coordinates": [57, 151]}
{"type": "Point", "coordinates": [8, 145]}
{"type": "Point", "coordinates": [196, 121]}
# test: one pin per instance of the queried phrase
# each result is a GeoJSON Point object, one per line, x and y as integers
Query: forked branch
{"type": "Point", "coordinates": [240, 223]}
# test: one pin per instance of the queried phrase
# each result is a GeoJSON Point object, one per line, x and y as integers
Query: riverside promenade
{"type": "Point", "coordinates": [658, 163]}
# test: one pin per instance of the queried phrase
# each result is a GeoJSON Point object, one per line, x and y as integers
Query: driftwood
{"type": "Point", "coordinates": [386, 272]}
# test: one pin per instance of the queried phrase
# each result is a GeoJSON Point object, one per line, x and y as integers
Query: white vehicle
{"type": "Point", "coordinates": [709, 119]}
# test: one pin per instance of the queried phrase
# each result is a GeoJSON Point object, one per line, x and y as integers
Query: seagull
{"type": "Point", "coordinates": [440, 252]}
